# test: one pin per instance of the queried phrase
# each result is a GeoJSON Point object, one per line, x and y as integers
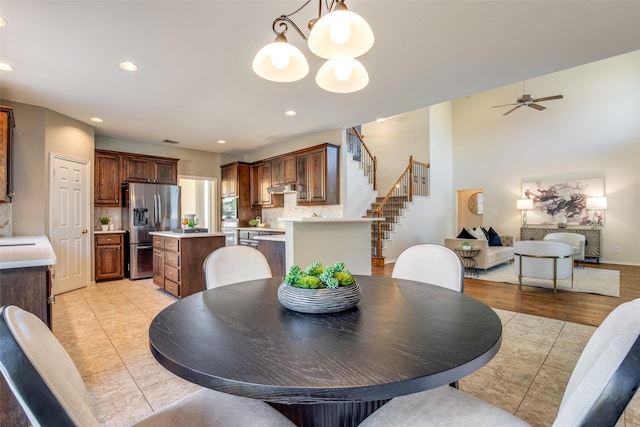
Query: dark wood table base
{"type": "Point", "coordinates": [343, 414]}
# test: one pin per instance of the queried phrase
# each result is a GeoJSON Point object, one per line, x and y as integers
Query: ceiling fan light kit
{"type": "Point", "coordinates": [339, 36]}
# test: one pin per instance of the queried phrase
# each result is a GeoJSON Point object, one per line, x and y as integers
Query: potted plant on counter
{"type": "Point", "coordinates": [319, 289]}
{"type": "Point", "coordinates": [104, 223]}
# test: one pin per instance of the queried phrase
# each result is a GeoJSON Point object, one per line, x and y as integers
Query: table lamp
{"type": "Point", "coordinates": [596, 204]}
{"type": "Point", "coordinates": [524, 205]}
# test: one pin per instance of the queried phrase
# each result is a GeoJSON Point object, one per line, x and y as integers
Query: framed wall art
{"type": "Point", "coordinates": [554, 200]}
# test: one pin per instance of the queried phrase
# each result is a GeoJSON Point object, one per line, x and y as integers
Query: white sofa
{"type": "Point", "coordinates": [489, 256]}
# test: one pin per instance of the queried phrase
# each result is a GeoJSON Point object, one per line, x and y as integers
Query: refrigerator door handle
{"type": "Point", "coordinates": [159, 211]}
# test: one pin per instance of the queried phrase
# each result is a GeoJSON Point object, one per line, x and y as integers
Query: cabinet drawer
{"type": "Point", "coordinates": [172, 273]}
{"type": "Point", "coordinates": [108, 239]}
{"type": "Point", "coordinates": [172, 287]}
{"type": "Point", "coordinates": [172, 244]}
{"type": "Point", "coordinates": [172, 259]}
{"type": "Point", "coordinates": [158, 242]}
{"type": "Point", "coordinates": [243, 234]}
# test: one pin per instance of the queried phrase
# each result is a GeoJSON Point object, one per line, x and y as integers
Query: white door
{"type": "Point", "coordinates": [68, 219]}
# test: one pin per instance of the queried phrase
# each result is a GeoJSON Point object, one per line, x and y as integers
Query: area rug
{"type": "Point", "coordinates": [588, 280]}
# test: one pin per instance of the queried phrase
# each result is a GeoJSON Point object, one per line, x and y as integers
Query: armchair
{"type": "Point", "coordinates": [576, 241]}
{"type": "Point", "coordinates": [542, 259]}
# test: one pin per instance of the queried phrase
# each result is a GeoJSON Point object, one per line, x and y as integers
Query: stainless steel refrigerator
{"type": "Point", "coordinates": [146, 208]}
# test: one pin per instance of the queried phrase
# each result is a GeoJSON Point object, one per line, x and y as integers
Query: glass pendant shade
{"type": "Point", "coordinates": [342, 76]}
{"type": "Point", "coordinates": [280, 62]}
{"type": "Point", "coordinates": [340, 34]}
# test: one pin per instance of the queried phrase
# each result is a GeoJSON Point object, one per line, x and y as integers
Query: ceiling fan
{"type": "Point", "coordinates": [528, 101]}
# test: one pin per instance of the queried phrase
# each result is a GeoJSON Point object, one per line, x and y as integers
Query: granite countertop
{"type": "Point", "coordinates": [272, 230]}
{"type": "Point", "coordinates": [26, 251]}
{"type": "Point", "coordinates": [184, 235]}
{"type": "Point", "coordinates": [109, 232]}
{"type": "Point", "coordinates": [273, 237]}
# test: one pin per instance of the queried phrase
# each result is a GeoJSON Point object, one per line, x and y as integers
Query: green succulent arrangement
{"type": "Point", "coordinates": [318, 276]}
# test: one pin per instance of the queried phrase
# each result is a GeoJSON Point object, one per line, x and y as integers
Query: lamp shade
{"type": "Point", "coordinates": [342, 76]}
{"type": "Point", "coordinates": [597, 202]}
{"type": "Point", "coordinates": [340, 34]}
{"type": "Point", "coordinates": [523, 204]}
{"type": "Point", "coordinates": [280, 62]}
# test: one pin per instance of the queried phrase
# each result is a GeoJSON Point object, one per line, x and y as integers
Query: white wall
{"type": "Point", "coordinates": [593, 132]}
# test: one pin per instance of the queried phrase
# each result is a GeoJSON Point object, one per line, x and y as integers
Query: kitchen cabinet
{"type": "Point", "coordinates": [260, 183]}
{"type": "Point", "coordinates": [317, 176]}
{"type": "Point", "coordinates": [6, 141]}
{"type": "Point", "coordinates": [177, 261]}
{"type": "Point", "coordinates": [158, 170]}
{"type": "Point", "coordinates": [283, 170]}
{"type": "Point", "coordinates": [235, 181]}
{"type": "Point", "coordinates": [30, 289]}
{"type": "Point", "coordinates": [109, 256]}
{"type": "Point", "coordinates": [107, 179]}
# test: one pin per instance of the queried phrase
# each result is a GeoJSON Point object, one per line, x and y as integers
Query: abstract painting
{"type": "Point", "coordinates": [553, 199]}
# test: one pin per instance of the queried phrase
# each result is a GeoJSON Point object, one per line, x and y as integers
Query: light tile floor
{"type": "Point", "coordinates": [104, 328]}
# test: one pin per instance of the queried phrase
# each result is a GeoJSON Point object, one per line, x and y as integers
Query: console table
{"type": "Point", "coordinates": [592, 238]}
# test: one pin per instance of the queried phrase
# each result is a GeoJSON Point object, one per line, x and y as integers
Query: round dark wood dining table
{"type": "Point", "coordinates": [326, 369]}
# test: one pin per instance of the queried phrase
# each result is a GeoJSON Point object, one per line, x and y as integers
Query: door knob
{"type": "Point", "coordinates": [84, 231]}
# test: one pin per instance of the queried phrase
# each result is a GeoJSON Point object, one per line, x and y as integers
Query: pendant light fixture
{"type": "Point", "coordinates": [339, 36]}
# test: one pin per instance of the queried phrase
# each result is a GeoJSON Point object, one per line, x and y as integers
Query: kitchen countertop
{"type": "Point", "coordinates": [273, 238]}
{"type": "Point", "coordinates": [272, 230]}
{"type": "Point", "coordinates": [26, 251]}
{"type": "Point", "coordinates": [320, 219]}
{"type": "Point", "coordinates": [109, 232]}
{"type": "Point", "coordinates": [184, 235]}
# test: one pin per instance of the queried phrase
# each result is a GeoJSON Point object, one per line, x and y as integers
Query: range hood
{"type": "Point", "coordinates": [282, 189]}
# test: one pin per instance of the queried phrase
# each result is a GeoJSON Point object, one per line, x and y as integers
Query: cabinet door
{"type": "Point", "coordinates": [260, 182]}
{"type": "Point", "coordinates": [109, 262]}
{"type": "Point", "coordinates": [136, 169]}
{"type": "Point", "coordinates": [302, 165]}
{"type": "Point", "coordinates": [228, 181]}
{"type": "Point", "coordinates": [158, 268]}
{"type": "Point", "coordinates": [317, 186]}
{"type": "Point", "coordinates": [6, 134]}
{"type": "Point", "coordinates": [165, 172]}
{"type": "Point", "coordinates": [265, 183]}
{"type": "Point", "coordinates": [283, 170]}
{"type": "Point", "coordinates": [107, 179]}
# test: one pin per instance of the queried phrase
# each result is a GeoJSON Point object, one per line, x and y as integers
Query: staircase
{"type": "Point", "coordinates": [413, 181]}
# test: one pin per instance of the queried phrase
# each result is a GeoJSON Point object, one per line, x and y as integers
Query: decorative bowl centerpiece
{"type": "Point", "coordinates": [319, 289]}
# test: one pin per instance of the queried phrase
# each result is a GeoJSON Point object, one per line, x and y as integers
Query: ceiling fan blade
{"type": "Point", "coordinates": [505, 105]}
{"type": "Point", "coordinates": [548, 98]}
{"type": "Point", "coordinates": [513, 109]}
{"type": "Point", "coordinates": [537, 107]}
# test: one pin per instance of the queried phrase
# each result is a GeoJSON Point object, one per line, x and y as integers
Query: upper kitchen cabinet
{"type": "Point", "coordinates": [234, 179]}
{"type": "Point", "coordinates": [6, 139]}
{"type": "Point", "coordinates": [317, 175]}
{"type": "Point", "coordinates": [107, 178]}
{"type": "Point", "coordinates": [158, 170]}
{"type": "Point", "coordinates": [283, 170]}
{"type": "Point", "coordinates": [260, 183]}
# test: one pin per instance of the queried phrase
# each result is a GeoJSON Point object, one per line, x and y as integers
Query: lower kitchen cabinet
{"type": "Point", "coordinates": [109, 256]}
{"type": "Point", "coordinates": [178, 260]}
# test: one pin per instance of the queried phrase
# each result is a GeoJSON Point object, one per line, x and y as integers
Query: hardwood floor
{"type": "Point", "coordinates": [588, 309]}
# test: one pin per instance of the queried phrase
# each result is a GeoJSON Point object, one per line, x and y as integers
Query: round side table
{"type": "Point", "coordinates": [468, 257]}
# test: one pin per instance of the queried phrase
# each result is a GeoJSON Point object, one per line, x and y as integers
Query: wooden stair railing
{"type": "Point", "coordinates": [414, 180]}
{"type": "Point", "coordinates": [361, 153]}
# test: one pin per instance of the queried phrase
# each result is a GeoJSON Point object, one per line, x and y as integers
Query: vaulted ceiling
{"type": "Point", "coordinates": [195, 84]}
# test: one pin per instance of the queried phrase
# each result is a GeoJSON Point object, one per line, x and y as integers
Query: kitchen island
{"type": "Point", "coordinates": [25, 281]}
{"type": "Point", "coordinates": [178, 260]}
{"type": "Point", "coordinates": [328, 240]}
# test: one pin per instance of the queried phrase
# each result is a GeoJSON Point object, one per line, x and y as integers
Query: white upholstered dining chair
{"type": "Point", "coordinates": [430, 263]}
{"type": "Point", "coordinates": [233, 264]}
{"type": "Point", "coordinates": [51, 391]}
{"type": "Point", "coordinates": [601, 386]}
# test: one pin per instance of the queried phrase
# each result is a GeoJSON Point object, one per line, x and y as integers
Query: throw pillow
{"type": "Point", "coordinates": [486, 233]}
{"type": "Point", "coordinates": [464, 234]}
{"type": "Point", "coordinates": [494, 239]}
{"type": "Point", "coordinates": [479, 234]}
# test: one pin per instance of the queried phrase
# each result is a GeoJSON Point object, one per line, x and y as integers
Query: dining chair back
{"type": "Point", "coordinates": [50, 390]}
{"type": "Point", "coordinates": [430, 263]}
{"type": "Point", "coordinates": [602, 384]}
{"type": "Point", "coordinates": [233, 264]}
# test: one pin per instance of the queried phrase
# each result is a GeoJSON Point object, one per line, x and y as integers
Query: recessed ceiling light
{"type": "Point", "coordinates": [5, 67]}
{"type": "Point", "coordinates": [381, 120]}
{"type": "Point", "coordinates": [128, 66]}
{"type": "Point", "coordinates": [3, 22]}
{"type": "Point", "coordinates": [221, 141]}
{"type": "Point", "coordinates": [290, 113]}
{"type": "Point", "coordinates": [96, 119]}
